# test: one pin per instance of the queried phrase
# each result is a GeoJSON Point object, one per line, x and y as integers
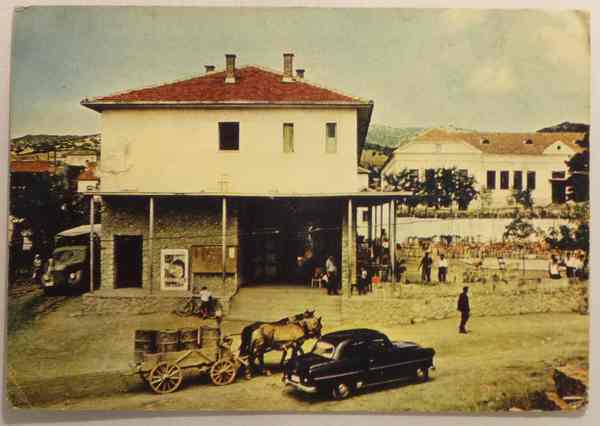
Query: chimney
{"type": "Point", "coordinates": [230, 68]}
{"type": "Point", "coordinates": [209, 68]}
{"type": "Point", "coordinates": [300, 74]}
{"type": "Point", "coordinates": [288, 66]}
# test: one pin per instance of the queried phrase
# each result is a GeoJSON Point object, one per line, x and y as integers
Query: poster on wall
{"type": "Point", "coordinates": [174, 269]}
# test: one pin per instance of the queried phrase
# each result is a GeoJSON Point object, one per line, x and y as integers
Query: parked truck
{"type": "Point", "coordinates": [69, 267]}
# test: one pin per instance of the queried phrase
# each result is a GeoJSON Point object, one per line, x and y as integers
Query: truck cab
{"type": "Point", "coordinates": [69, 266]}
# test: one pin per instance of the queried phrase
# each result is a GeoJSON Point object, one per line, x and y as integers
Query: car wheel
{"type": "Point", "coordinates": [422, 374]}
{"type": "Point", "coordinates": [341, 391]}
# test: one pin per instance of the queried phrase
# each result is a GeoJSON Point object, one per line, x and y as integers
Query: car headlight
{"type": "Point", "coordinates": [74, 277]}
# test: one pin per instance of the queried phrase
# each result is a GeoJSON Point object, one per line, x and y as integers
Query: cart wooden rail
{"type": "Point", "coordinates": [163, 371]}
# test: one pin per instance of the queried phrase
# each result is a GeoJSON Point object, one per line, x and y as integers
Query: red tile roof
{"type": "Point", "coordinates": [31, 167]}
{"type": "Point", "coordinates": [253, 85]}
{"type": "Point", "coordinates": [503, 143]}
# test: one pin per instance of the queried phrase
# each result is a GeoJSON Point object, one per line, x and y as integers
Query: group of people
{"type": "Point", "coordinates": [426, 266]}
{"type": "Point", "coordinates": [573, 264]}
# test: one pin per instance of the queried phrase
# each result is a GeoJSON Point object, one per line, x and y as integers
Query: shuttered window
{"type": "Point", "coordinates": [518, 179]}
{"type": "Point", "coordinates": [331, 134]}
{"type": "Point", "coordinates": [491, 179]}
{"type": "Point", "coordinates": [531, 180]}
{"type": "Point", "coordinates": [504, 179]}
{"type": "Point", "coordinates": [288, 137]}
{"type": "Point", "coordinates": [229, 136]}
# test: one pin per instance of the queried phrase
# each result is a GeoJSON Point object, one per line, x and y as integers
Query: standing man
{"type": "Point", "coordinates": [442, 269]}
{"type": "Point", "coordinates": [425, 266]}
{"type": "Point", "coordinates": [463, 307]}
{"type": "Point", "coordinates": [332, 275]}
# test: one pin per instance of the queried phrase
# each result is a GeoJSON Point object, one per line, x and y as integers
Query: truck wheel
{"type": "Point", "coordinates": [341, 391]}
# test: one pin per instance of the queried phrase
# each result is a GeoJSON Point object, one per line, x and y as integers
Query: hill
{"type": "Point", "coordinates": [566, 127]}
{"type": "Point", "coordinates": [46, 143]}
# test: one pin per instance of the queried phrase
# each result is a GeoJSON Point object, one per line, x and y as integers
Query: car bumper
{"type": "Point", "coordinates": [300, 386]}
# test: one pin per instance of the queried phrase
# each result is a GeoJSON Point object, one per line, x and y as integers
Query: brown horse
{"type": "Point", "coordinates": [282, 337]}
{"type": "Point", "coordinates": [249, 329]}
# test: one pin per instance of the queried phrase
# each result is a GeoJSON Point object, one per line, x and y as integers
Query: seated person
{"type": "Point", "coordinates": [205, 302]}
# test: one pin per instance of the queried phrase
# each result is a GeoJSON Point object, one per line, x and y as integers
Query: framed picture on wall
{"type": "Point", "coordinates": [174, 269]}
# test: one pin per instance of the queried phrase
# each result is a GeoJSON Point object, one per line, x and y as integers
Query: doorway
{"type": "Point", "coordinates": [285, 239]}
{"type": "Point", "coordinates": [128, 261]}
{"type": "Point", "coordinates": [559, 193]}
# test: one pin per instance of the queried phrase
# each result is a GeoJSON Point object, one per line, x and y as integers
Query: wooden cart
{"type": "Point", "coordinates": [162, 369]}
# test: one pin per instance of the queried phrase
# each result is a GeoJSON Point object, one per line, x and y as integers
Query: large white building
{"type": "Point", "coordinates": [499, 162]}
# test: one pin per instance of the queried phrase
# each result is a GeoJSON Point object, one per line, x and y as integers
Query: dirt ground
{"type": "Point", "coordinates": [501, 361]}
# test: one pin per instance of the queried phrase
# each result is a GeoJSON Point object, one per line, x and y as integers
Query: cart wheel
{"type": "Point", "coordinates": [165, 378]}
{"type": "Point", "coordinates": [222, 372]}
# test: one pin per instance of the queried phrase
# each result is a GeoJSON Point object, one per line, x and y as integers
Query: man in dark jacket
{"type": "Point", "coordinates": [463, 307]}
{"type": "Point", "coordinates": [425, 267]}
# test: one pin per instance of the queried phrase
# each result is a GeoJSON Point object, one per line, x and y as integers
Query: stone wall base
{"type": "Point", "coordinates": [414, 304]}
{"type": "Point", "coordinates": [94, 304]}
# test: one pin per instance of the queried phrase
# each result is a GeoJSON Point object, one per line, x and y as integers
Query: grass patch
{"type": "Point", "coordinates": [22, 310]}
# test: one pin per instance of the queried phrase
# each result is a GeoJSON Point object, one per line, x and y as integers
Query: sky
{"type": "Point", "coordinates": [491, 70]}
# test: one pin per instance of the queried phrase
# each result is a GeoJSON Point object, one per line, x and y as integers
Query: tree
{"type": "Point", "coordinates": [518, 230]}
{"type": "Point", "coordinates": [403, 181]}
{"type": "Point", "coordinates": [486, 197]}
{"type": "Point", "coordinates": [374, 177]}
{"type": "Point", "coordinates": [440, 188]}
{"type": "Point", "coordinates": [570, 238]}
{"type": "Point", "coordinates": [578, 182]}
{"type": "Point", "coordinates": [465, 190]}
{"type": "Point", "coordinates": [47, 206]}
{"type": "Point", "coordinates": [523, 197]}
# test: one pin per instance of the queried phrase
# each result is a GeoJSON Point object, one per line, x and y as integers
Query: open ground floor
{"type": "Point", "coordinates": [174, 245]}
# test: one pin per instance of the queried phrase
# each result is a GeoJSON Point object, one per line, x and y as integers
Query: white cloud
{"type": "Point", "coordinates": [494, 78]}
{"type": "Point", "coordinates": [565, 40]}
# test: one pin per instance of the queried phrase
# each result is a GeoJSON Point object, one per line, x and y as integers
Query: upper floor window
{"type": "Point", "coordinates": [558, 175]}
{"type": "Point", "coordinates": [504, 179]}
{"type": "Point", "coordinates": [531, 180]}
{"type": "Point", "coordinates": [491, 179]}
{"type": "Point", "coordinates": [331, 143]}
{"type": "Point", "coordinates": [414, 174]}
{"type": "Point", "coordinates": [229, 136]}
{"type": "Point", "coordinates": [288, 137]}
{"type": "Point", "coordinates": [518, 179]}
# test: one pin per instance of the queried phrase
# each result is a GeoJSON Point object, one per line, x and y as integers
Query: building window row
{"type": "Point", "coordinates": [505, 180]}
{"type": "Point", "coordinates": [429, 174]}
{"type": "Point", "coordinates": [229, 137]}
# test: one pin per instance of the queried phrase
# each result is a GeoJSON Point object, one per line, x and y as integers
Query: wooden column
{"type": "Point", "coordinates": [348, 288]}
{"type": "Point", "coordinates": [392, 238]}
{"type": "Point", "coordinates": [370, 223]}
{"type": "Point", "coordinates": [374, 211]}
{"type": "Point", "coordinates": [224, 239]}
{"type": "Point", "coordinates": [380, 220]}
{"type": "Point", "coordinates": [91, 243]}
{"type": "Point", "coordinates": [151, 242]}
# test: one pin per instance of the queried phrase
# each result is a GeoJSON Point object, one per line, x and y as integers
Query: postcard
{"type": "Point", "coordinates": [299, 210]}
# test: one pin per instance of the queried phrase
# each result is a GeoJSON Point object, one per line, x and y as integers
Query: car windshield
{"type": "Point", "coordinates": [64, 255]}
{"type": "Point", "coordinates": [324, 349]}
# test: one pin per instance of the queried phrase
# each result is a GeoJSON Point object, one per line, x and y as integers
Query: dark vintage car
{"type": "Point", "coordinates": [344, 361]}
